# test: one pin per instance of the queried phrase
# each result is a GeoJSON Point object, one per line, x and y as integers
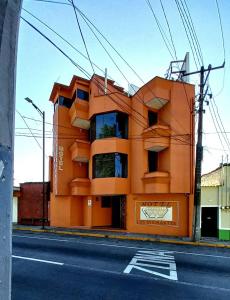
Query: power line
{"type": "Point", "coordinates": [169, 30]}
{"type": "Point", "coordinates": [87, 20]}
{"type": "Point", "coordinates": [75, 136]}
{"type": "Point", "coordinates": [187, 31]}
{"type": "Point", "coordinates": [221, 27]}
{"type": "Point", "coordinates": [61, 37]}
{"type": "Point", "coordinates": [193, 29]}
{"type": "Point", "coordinates": [214, 123]}
{"type": "Point", "coordinates": [220, 123]}
{"type": "Point", "coordinates": [54, 2]}
{"type": "Point", "coordinates": [75, 64]}
{"type": "Point", "coordinates": [82, 36]}
{"type": "Point", "coordinates": [164, 36]}
{"type": "Point", "coordinates": [29, 130]}
{"type": "Point", "coordinates": [86, 73]}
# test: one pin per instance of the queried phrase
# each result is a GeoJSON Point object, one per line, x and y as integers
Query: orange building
{"type": "Point", "coordinates": [120, 161]}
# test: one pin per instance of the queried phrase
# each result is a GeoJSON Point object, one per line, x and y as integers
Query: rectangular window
{"type": "Point", "coordinates": [83, 95]}
{"type": "Point", "coordinates": [110, 165]}
{"type": "Point", "coordinates": [106, 201]}
{"type": "Point", "coordinates": [63, 101]}
{"type": "Point", "coordinates": [153, 161]}
{"type": "Point", "coordinates": [152, 117]}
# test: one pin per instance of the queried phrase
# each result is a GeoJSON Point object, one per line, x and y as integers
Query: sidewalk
{"type": "Point", "coordinates": [113, 234]}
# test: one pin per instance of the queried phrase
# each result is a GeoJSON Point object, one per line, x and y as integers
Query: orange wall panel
{"type": "Point", "coordinates": [60, 211]}
{"type": "Point", "coordinates": [179, 226]}
{"type": "Point", "coordinates": [101, 216]}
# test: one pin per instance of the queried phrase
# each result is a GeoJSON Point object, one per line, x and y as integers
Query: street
{"type": "Point", "coordinates": [49, 266]}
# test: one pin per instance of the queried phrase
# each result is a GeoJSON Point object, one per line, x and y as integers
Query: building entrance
{"type": "Point", "coordinates": [209, 221]}
{"type": "Point", "coordinates": [118, 210]}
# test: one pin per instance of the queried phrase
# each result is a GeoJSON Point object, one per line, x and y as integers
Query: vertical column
{"type": "Point", "coordinates": [9, 23]}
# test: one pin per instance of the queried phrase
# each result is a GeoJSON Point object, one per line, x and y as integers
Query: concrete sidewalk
{"type": "Point", "coordinates": [113, 234]}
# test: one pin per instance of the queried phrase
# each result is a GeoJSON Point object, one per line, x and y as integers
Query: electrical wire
{"type": "Point", "coordinates": [184, 22]}
{"type": "Point", "coordinates": [216, 125]}
{"type": "Point", "coordinates": [192, 27]}
{"type": "Point", "coordinates": [221, 28]}
{"type": "Point", "coordinates": [87, 19]}
{"type": "Point", "coordinates": [82, 36]}
{"type": "Point", "coordinates": [29, 130]}
{"type": "Point", "coordinates": [169, 30]}
{"type": "Point", "coordinates": [78, 66]}
{"type": "Point", "coordinates": [219, 122]}
{"type": "Point", "coordinates": [54, 2]}
{"type": "Point", "coordinates": [163, 35]}
{"type": "Point", "coordinates": [61, 37]}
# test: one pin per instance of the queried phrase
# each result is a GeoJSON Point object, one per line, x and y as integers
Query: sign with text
{"type": "Point", "coordinates": [162, 213]}
{"type": "Point", "coordinates": [61, 158]}
{"type": "Point", "coordinates": [156, 212]}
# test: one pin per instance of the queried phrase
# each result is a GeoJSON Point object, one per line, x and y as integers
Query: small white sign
{"type": "Point", "coordinates": [89, 202]}
{"type": "Point", "coordinates": [160, 213]}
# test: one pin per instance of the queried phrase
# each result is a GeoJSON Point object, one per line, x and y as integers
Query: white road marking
{"type": "Point", "coordinates": [39, 260]}
{"type": "Point", "coordinates": [122, 274]}
{"type": "Point", "coordinates": [149, 261]}
{"type": "Point", "coordinates": [72, 240]}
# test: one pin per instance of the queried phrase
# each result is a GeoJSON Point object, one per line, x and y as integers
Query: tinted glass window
{"type": "Point", "coordinates": [63, 101]}
{"type": "Point", "coordinates": [105, 125]}
{"type": "Point", "coordinates": [82, 95]}
{"type": "Point", "coordinates": [113, 124]}
{"type": "Point", "coordinates": [110, 165]}
{"type": "Point", "coordinates": [152, 161]}
{"type": "Point", "coordinates": [153, 118]}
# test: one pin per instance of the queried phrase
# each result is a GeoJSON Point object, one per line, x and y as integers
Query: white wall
{"type": "Point", "coordinates": [15, 210]}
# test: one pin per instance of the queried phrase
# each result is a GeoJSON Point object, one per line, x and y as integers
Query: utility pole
{"type": "Point", "coordinates": [9, 24]}
{"type": "Point", "coordinates": [199, 148]}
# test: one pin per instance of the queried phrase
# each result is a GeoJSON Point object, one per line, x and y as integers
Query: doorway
{"type": "Point", "coordinates": [117, 204]}
{"type": "Point", "coordinates": [118, 211]}
{"type": "Point", "coordinates": [209, 221]}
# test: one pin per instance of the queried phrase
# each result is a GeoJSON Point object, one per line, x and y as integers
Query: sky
{"type": "Point", "coordinates": [131, 28]}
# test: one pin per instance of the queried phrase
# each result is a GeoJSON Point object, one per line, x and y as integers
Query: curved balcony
{"type": "Point", "coordinates": [156, 182]}
{"type": "Point", "coordinates": [110, 186]}
{"type": "Point", "coordinates": [110, 145]}
{"type": "Point", "coordinates": [110, 102]}
{"type": "Point", "coordinates": [156, 138]}
{"type": "Point", "coordinates": [80, 151]}
{"type": "Point", "coordinates": [161, 93]}
{"type": "Point", "coordinates": [79, 114]}
{"type": "Point", "coordinates": [80, 187]}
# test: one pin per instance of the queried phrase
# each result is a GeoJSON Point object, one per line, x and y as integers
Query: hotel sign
{"type": "Point", "coordinates": [162, 213]}
{"type": "Point", "coordinates": [156, 212]}
{"type": "Point", "coordinates": [60, 158]}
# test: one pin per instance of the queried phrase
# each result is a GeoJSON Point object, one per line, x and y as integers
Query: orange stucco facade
{"type": "Point", "coordinates": [153, 200]}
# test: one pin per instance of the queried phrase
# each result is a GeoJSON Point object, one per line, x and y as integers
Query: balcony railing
{"type": "Point", "coordinates": [156, 138]}
{"type": "Point", "coordinates": [79, 112]}
{"type": "Point", "coordinates": [80, 151]}
{"type": "Point", "coordinates": [80, 187]}
{"type": "Point", "coordinates": [156, 182]}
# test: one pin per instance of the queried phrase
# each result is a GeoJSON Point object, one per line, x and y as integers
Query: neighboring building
{"type": "Point", "coordinates": [215, 203]}
{"type": "Point", "coordinates": [120, 161]}
{"type": "Point", "coordinates": [30, 206]}
{"type": "Point", "coordinates": [16, 197]}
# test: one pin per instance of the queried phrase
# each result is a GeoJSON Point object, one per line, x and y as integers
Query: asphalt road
{"type": "Point", "coordinates": [48, 266]}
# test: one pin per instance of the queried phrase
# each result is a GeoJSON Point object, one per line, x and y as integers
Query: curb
{"type": "Point", "coordinates": [122, 237]}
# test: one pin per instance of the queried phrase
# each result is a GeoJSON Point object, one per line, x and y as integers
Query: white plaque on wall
{"type": "Point", "coordinates": [158, 213]}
